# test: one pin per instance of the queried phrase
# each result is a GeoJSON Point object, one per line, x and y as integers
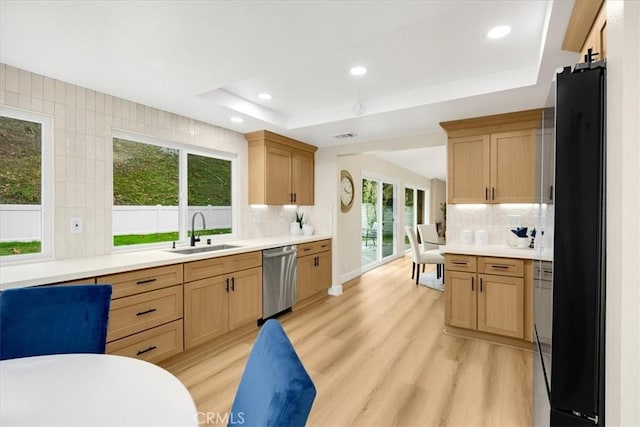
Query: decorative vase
{"type": "Point", "coordinates": [307, 229]}
{"type": "Point", "coordinates": [294, 228]}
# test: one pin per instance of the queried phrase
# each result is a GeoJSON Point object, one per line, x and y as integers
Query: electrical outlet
{"type": "Point", "coordinates": [76, 224]}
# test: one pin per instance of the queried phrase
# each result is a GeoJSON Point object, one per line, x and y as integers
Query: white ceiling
{"type": "Point", "coordinates": [428, 61]}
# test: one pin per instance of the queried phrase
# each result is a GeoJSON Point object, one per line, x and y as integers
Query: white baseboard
{"type": "Point", "coordinates": [335, 291]}
{"type": "Point", "coordinates": [349, 276]}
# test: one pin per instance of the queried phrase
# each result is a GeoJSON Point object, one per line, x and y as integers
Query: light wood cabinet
{"type": "Point", "coordinates": [281, 170]}
{"type": "Point", "coordinates": [314, 270]}
{"type": "Point", "coordinates": [597, 38]}
{"type": "Point", "coordinates": [226, 295]}
{"type": "Point", "coordinates": [492, 298]}
{"type": "Point", "coordinates": [469, 157]}
{"type": "Point", "coordinates": [145, 317]}
{"type": "Point", "coordinates": [492, 159]}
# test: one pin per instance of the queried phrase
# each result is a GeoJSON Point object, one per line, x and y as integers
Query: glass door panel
{"type": "Point", "coordinates": [409, 218]}
{"type": "Point", "coordinates": [369, 222]}
{"type": "Point", "coordinates": [388, 216]}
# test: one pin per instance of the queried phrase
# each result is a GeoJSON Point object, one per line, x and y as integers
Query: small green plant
{"type": "Point", "coordinates": [299, 217]}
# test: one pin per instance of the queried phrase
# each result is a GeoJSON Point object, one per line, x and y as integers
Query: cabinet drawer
{"type": "Point", "coordinates": [138, 281]}
{"type": "Point", "coordinates": [136, 313]}
{"type": "Point", "coordinates": [217, 266]}
{"type": "Point", "coordinates": [501, 266]}
{"type": "Point", "coordinates": [311, 248]}
{"type": "Point", "coordinates": [152, 345]}
{"type": "Point", "coordinates": [455, 262]}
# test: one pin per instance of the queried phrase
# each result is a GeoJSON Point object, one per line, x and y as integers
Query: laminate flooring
{"type": "Point", "coordinates": [378, 357]}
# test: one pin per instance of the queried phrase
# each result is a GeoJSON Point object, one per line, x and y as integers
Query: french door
{"type": "Point", "coordinates": [377, 221]}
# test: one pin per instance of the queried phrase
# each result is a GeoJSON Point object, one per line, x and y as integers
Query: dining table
{"type": "Point", "coordinates": [91, 390]}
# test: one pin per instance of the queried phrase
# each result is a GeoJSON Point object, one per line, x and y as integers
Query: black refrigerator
{"type": "Point", "coordinates": [571, 353]}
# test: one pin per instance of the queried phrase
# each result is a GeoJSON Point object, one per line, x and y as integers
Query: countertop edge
{"type": "Point", "coordinates": [498, 251]}
{"type": "Point", "coordinates": [55, 271]}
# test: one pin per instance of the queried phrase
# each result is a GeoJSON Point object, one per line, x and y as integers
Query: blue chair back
{"type": "Point", "coordinates": [275, 389]}
{"type": "Point", "coordinates": [60, 319]}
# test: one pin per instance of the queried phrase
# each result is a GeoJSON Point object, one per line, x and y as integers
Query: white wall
{"type": "Point", "coordinates": [83, 122]}
{"type": "Point", "coordinates": [623, 207]}
{"type": "Point", "coordinates": [349, 224]}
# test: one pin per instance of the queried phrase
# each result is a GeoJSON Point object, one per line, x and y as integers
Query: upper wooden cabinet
{"type": "Point", "coordinates": [492, 159]}
{"type": "Point", "coordinates": [281, 170]}
{"type": "Point", "coordinates": [587, 29]}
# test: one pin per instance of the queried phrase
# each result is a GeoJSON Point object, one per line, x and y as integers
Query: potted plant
{"type": "Point", "coordinates": [296, 226]}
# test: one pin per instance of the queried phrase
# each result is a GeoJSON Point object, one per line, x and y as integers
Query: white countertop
{"type": "Point", "coordinates": [55, 271]}
{"type": "Point", "coordinates": [503, 251]}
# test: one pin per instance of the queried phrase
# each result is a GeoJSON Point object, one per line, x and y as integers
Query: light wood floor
{"type": "Point", "coordinates": [378, 357]}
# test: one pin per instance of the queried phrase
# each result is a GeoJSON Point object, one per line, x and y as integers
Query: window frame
{"type": "Point", "coordinates": [46, 184]}
{"type": "Point", "coordinates": [183, 151]}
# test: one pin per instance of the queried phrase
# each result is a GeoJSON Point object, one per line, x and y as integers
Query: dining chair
{"type": "Point", "coordinates": [57, 319]}
{"type": "Point", "coordinates": [429, 233]}
{"type": "Point", "coordinates": [275, 389]}
{"type": "Point", "coordinates": [419, 256]}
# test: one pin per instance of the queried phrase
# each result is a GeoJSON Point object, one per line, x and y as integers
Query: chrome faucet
{"type": "Point", "coordinates": [195, 239]}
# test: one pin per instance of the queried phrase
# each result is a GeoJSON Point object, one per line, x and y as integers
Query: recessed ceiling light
{"type": "Point", "coordinates": [358, 71]}
{"type": "Point", "coordinates": [498, 32]}
{"type": "Point", "coordinates": [237, 119]}
{"type": "Point", "coordinates": [265, 96]}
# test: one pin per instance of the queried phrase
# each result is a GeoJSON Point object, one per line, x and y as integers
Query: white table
{"type": "Point", "coordinates": [91, 390]}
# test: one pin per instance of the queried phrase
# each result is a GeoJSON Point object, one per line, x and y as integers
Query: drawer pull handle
{"type": "Point", "coordinates": [142, 313]}
{"type": "Point", "coordinates": [324, 246]}
{"type": "Point", "coordinates": [226, 288]}
{"type": "Point", "coordinates": [472, 285]}
{"type": "Point", "coordinates": [481, 284]}
{"type": "Point", "coordinates": [499, 266]}
{"type": "Point", "coordinates": [459, 262]}
{"type": "Point", "coordinates": [233, 284]}
{"type": "Point", "coordinates": [142, 282]}
{"type": "Point", "coordinates": [306, 249]}
{"type": "Point", "coordinates": [548, 271]}
{"type": "Point", "coordinates": [153, 347]}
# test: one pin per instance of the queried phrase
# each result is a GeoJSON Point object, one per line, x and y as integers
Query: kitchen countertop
{"type": "Point", "coordinates": [503, 251]}
{"type": "Point", "coordinates": [55, 271]}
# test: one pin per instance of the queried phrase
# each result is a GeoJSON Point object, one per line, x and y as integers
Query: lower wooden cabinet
{"type": "Point", "coordinates": [152, 345]}
{"type": "Point", "coordinates": [314, 269]}
{"type": "Point", "coordinates": [460, 299]}
{"type": "Point", "coordinates": [492, 303]}
{"type": "Point", "coordinates": [219, 304]}
{"type": "Point", "coordinates": [501, 305]}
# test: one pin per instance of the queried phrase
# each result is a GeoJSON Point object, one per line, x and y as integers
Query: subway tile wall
{"type": "Point", "coordinates": [494, 219]}
{"type": "Point", "coordinates": [83, 123]}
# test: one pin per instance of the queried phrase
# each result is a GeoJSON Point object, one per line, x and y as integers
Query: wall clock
{"type": "Point", "coordinates": [347, 191]}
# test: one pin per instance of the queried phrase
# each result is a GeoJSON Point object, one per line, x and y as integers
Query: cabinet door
{"type": "Point", "coordinates": [245, 297]}
{"type": "Point", "coordinates": [323, 272]}
{"type": "Point", "coordinates": [468, 169]}
{"type": "Point", "coordinates": [278, 176]}
{"type": "Point", "coordinates": [513, 165]}
{"type": "Point", "coordinates": [501, 305]}
{"type": "Point", "coordinates": [460, 299]}
{"type": "Point", "coordinates": [302, 171]}
{"type": "Point", "coordinates": [205, 310]}
{"type": "Point", "coordinates": [305, 286]}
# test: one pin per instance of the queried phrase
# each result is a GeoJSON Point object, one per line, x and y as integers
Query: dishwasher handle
{"type": "Point", "coordinates": [279, 254]}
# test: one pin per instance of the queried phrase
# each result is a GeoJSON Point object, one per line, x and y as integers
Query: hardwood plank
{"type": "Point", "coordinates": [378, 356]}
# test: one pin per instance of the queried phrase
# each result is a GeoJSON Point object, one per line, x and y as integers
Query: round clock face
{"type": "Point", "coordinates": [346, 191]}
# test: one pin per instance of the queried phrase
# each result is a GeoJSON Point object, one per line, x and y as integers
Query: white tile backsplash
{"type": "Point", "coordinates": [494, 220]}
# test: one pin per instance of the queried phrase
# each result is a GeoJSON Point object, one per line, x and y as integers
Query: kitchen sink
{"type": "Point", "coordinates": [197, 250]}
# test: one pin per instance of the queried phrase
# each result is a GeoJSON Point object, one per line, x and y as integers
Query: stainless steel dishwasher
{"type": "Point", "coordinates": [279, 271]}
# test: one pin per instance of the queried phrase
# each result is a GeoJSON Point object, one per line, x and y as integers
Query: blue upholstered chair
{"type": "Point", "coordinates": [275, 389]}
{"type": "Point", "coordinates": [44, 320]}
